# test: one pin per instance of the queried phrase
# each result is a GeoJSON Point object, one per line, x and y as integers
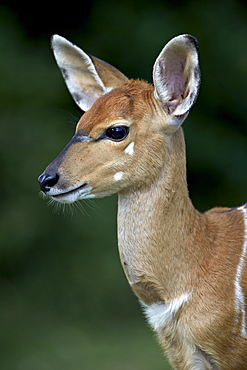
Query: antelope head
{"type": "Point", "coordinates": [123, 138]}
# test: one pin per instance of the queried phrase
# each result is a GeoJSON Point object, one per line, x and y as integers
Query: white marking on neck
{"type": "Point", "coordinates": [160, 314]}
{"type": "Point", "coordinates": [240, 304]}
{"type": "Point", "coordinates": [130, 149]}
{"type": "Point", "coordinates": [118, 176]}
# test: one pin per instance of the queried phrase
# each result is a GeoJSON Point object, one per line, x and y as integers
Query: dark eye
{"type": "Point", "coordinates": [117, 133]}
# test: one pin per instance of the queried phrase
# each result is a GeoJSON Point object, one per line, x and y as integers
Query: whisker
{"type": "Point", "coordinates": [70, 208]}
{"type": "Point", "coordinates": [72, 118]}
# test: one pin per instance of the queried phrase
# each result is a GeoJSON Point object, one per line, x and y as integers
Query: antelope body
{"type": "Point", "coordinates": [187, 268]}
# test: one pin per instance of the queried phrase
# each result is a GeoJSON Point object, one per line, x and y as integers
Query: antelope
{"type": "Point", "coordinates": [188, 269]}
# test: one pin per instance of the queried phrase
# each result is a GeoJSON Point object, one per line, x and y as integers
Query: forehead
{"type": "Point", "coordinates": [124, 102]}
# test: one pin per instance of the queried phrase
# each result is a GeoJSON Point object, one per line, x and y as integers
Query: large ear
{"type": "Point", "coordinates": [176, 77]}
{"type": "Point", "coordinates": [86, 77]}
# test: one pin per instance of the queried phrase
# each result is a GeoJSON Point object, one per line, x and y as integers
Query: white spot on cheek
{"type": "Point", "coordinates": [118, 176]}
{"type": "Point", "coordinates": [130, 149]}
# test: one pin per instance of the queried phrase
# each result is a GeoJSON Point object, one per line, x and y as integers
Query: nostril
{"type": "Point", "coordinates": [47, 181]}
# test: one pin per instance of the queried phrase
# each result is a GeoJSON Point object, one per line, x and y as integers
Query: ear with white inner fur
{"type": "Point", "coordinates": [176, 77]}
{"type": "Point", "coordinates": [86, 77]}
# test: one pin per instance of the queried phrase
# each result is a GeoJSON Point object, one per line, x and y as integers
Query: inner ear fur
{"type": "Point", "coordinates": [176, 77]}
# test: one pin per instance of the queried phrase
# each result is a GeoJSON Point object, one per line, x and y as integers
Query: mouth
{"type": "Point", "coordinates": [70, 196]}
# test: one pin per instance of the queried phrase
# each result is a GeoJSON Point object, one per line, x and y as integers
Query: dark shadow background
{"type": "Point", "coordinates": [65, 303]}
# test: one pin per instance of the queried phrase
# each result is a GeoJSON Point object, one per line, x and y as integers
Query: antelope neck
{"type": "Point", "coordinates": [154, 233]}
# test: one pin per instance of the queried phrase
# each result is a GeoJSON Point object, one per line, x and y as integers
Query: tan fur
{"type": "Point", "coordinates": [187, 268]}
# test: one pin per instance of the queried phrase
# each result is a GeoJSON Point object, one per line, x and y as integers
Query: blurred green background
{"type": "Point", "coordinates": [64, 300]}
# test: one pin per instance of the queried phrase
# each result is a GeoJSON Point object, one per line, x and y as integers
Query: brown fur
{"type": "Point", "coordinates": [186, 264]}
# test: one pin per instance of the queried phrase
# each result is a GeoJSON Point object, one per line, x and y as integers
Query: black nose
{"type": "Point", "coordinates": [47, 181]}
